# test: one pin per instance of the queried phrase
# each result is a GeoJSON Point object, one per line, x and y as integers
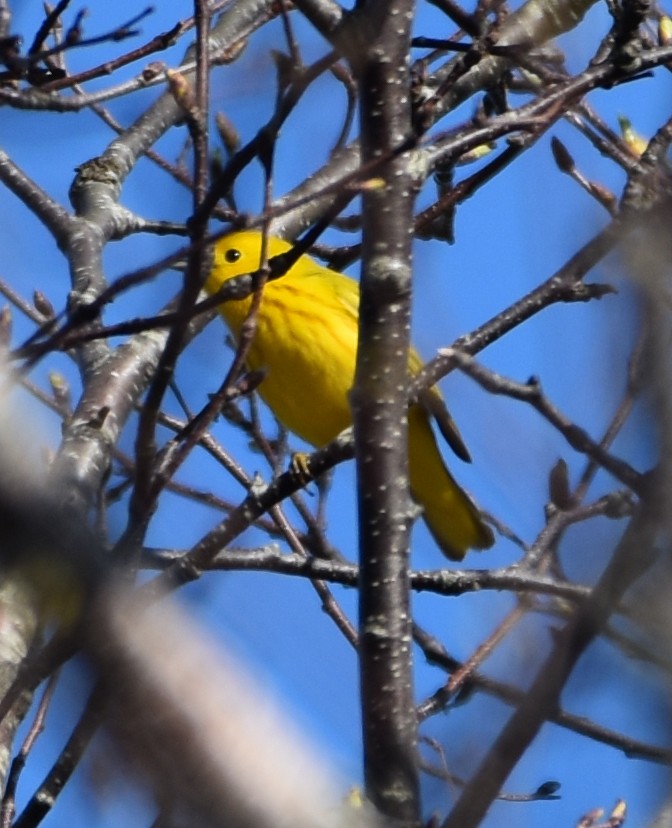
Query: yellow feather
{"type": "Point", "coordinates": [306, 342]}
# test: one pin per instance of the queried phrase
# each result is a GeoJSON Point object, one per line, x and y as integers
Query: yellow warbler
{"type": "Point", "coordinates": [305, 341]}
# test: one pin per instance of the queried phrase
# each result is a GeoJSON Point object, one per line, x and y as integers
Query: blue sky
{"type": "Point", "coordinates": [513, 235]}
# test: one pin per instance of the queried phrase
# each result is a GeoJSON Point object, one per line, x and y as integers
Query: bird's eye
{"type": "Point", "coordinates": [232, 255]}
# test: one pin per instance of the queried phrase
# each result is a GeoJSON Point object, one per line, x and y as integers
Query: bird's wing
{"type": "Point", "coordinates": [343, 289]}
{"type": "Point", "coordinates": [347, 292]}
{"type": "Point", "coordinates": [431, 400]}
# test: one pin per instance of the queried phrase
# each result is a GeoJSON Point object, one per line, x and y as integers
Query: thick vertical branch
{"type": "Point", "coordinates": [379, 410]}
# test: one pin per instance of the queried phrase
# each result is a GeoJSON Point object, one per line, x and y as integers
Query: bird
{"type": "Point", "coordinates": [305, 344]}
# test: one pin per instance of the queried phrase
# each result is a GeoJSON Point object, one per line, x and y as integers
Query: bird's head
{"type": "Point", "coordinates": [239, 253]}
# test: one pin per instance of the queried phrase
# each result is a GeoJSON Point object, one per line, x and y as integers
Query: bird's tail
{"type": "Point", "coordinates": [449, 513]}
